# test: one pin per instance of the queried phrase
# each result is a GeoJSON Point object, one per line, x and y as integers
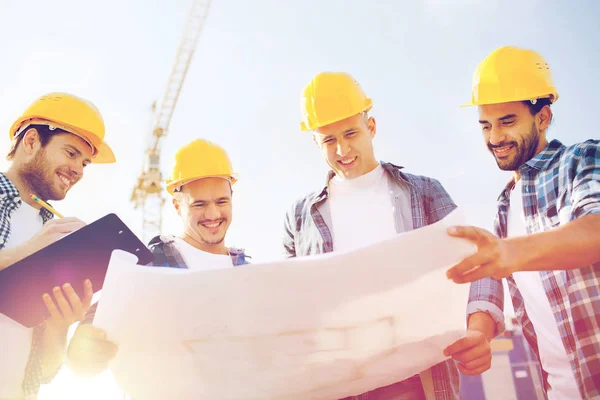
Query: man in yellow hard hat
{"type": "Point", "coordinates": [365, 201]}
{"type": "Point", "coordinates": [547, 225]}
{"type": "Point", "coordinates": [57, 136]}
{"type": "Point", "coordinates": [201, 185]}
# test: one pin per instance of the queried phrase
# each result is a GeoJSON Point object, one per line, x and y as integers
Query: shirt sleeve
{"type": "Point", "coordinates": [585, 196]}
{"type": "Point", "coordinates": [487, 295]}
{"type": "Point", "coordinates": [289, 246]}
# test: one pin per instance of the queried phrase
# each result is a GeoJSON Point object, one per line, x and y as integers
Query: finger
{"type": "Point", "coordinates": [478, 362]}
{"type": "Point", "coordinates": [473, 353]}
{"type": "Point", "coordinates": [455, 347]}
{"type": "Point", "coordinates": [68, 227]}
{"type": "Point", "coordinates": [476, 235]}
{"type": "Point", "coordinates": [51, 307]}
{"type": "Point", "coordinates": [469, 264]}
{"type": "Point", "coordinates": [74, 300]}
{"type": "Point", "coordinates": [93, 350]}
{"type": "Point", "coordinates": [63, 305]}
{"type": "Point", "coordinates": [484, 271]}
{"type": "Point", "coordinates": [461, 345]}
{"type": "Point", "coordinates": [473, 372]}
{"type": "Point", "coordinates": [85, 331]}
{"type": "Point", "coordinates": [88, 293]}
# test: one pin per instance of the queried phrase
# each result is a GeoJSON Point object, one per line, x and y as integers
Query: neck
{"type": "Point", "coordinates": [541, 144]}
{"type": "Point", "coordinates": [219, 248]}
{"type": "Point", "coordinates": [22, 186]}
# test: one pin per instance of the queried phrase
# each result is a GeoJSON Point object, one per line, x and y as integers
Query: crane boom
{"type": "Point", "coordinates": [148, 192]}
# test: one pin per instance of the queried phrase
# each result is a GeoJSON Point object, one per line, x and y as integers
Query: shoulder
{"type": "Point", "coordinates": [589, 148]}
{"type": "Point", "coordinates": [301, 206]}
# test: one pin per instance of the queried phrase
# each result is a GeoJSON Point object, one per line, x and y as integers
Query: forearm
{"type": "Point", "coordinates": [54, 343]}
{"type": "Point", "coordinates": [484, 323]}
{"type": "Point", "coordinates": [10, 256]}
{"type": "Point", "coordinates": [571, 246]}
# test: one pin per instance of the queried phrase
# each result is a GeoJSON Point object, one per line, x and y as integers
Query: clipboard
{"type": "Point", "coordinates": [83, 254]}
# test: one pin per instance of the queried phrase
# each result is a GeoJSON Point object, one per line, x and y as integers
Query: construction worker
{"type": "Point", "coordinates": [57, 136]}
{"type": "Point", "coordinates": [365, 201]}
{"type": "Point", "coordinates": [547, 225]}
{"type": "Point", "coordinates": [201, 185]}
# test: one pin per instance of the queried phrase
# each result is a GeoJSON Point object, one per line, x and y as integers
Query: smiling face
{"type": "Point", "coordinates": [51, 170]}
{"type": "Point", "coordinates": [205, 207]}
{"type": "Point", "coordinates": [512, 133]}
{"type": "Point", "coordinates": [347, 146]}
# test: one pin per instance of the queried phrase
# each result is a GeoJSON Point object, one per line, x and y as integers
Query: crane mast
{"type": "Point", "coordinates": [148, 192]}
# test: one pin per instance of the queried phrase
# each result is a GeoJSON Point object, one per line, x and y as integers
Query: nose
{"type": "Point", "coordinates": [343, 148]}
{"type": "Point", "coordinates": [212, 212]}
{"type": "Point", "coordinates": [497, 136]}
{"type": "Point", "coordinates": [76, 169]}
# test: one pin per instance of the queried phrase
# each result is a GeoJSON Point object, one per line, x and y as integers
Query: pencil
{"type": "Point", "coordinates": [45, 205]}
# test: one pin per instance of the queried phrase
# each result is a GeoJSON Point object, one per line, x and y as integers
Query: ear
{"type": "Point", "coordinates": [314, 137]}
{"type": "Point", "coordinates": [372, 125]}
{"type": "Point", "coordinates": [176, 205]}
{"type": "Point", "coordinates": [543, 118]}
{"type": "Point", "coordinates": [31, 141]}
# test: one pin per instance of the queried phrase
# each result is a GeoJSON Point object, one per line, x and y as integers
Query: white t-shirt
{"type": "Point", "coordinates": [361, 210]}
{"type": "Point", "coordinates": [197, 259]}
{"type": "Point", "coordinates": [552, 351]}
{"type": "Point", "coordinates": [15, 339]}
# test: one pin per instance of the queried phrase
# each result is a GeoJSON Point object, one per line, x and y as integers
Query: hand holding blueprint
{"type": "Point", "coordinates": [319, 327]}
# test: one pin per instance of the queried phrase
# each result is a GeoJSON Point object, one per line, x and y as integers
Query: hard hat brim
{"type": "Point", "coordinates": [171, 186]}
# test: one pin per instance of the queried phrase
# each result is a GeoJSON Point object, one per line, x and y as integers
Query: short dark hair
{"type": "Point", "coordinates": [539, 104]}
{"type": "Point", "coordinates": [44, 133]}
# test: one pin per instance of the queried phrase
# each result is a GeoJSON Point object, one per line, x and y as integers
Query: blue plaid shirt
{"type": "Point", "coordinates": [10, 200]}
{"type": "Point", "coordinates": [560, 184]}
{"type": "Point", "coordinates": [307, 232]}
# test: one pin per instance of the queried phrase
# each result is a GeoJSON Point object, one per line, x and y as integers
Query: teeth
{"type": "Point", "coordinates": [213, 225]}
{"type": "Point", "coordinates": [65, 180]}
{"type": "Point", "coordinates": [346, 162]}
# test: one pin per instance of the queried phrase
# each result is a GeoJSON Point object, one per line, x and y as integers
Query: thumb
{"type": "Point", "coordinates": [93, 332]}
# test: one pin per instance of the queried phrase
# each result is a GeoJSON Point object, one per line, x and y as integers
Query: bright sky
{"type": "Point", "coordinates": [415, 59]}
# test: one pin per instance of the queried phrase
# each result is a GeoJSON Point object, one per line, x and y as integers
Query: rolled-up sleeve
{"type": "Point", "coordinates": [585, 196]}
{"type": "Point", "coordinates": [487, 295]}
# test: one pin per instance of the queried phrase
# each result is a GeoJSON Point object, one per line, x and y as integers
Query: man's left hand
{"type": "Point", "coordinates": [473, 352]}
{"type": "Point", "coordinates": [66, 307]}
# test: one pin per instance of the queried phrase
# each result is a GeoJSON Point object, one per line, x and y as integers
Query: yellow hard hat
{"type": "Point", "coordinates": [71, 114]}
{"type": "Point", "coordinates": [512, 74]}
{"type": "Point", "coordinates": [331, 97]}
{"type": "Point", "coordinates": [196, 160]}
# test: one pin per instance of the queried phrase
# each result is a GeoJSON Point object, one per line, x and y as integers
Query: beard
{"type": "Point", "coordinates": [525, 149]}
{"type": "Point", "coordinates": [38, 175]}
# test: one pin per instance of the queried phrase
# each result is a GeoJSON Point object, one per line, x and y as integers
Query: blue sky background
{"type": "Point", "coordinates": [415, 59]}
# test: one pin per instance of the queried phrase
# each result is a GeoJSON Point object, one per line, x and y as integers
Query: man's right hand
{"type": "Point", "coordinates": [54, 230]}
{"type": "Point", "coordinates": [89, 352]}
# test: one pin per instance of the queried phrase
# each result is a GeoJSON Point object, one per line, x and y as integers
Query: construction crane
{"type": "Point", "coordinates": [148, 192]}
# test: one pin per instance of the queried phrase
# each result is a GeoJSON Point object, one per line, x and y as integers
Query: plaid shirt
{"type": "Point", "coordinates": [306, 232]}
{"type": "Point", "coordinates": [10, 200]}
{"type": "Point", "coordinates": [561, 184]}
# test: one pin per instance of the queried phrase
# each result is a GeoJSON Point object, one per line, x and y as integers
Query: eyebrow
{"type": "Point", "coordinates": [509, 116]}
{"type": "Point", "coordinates": [76, 151]}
